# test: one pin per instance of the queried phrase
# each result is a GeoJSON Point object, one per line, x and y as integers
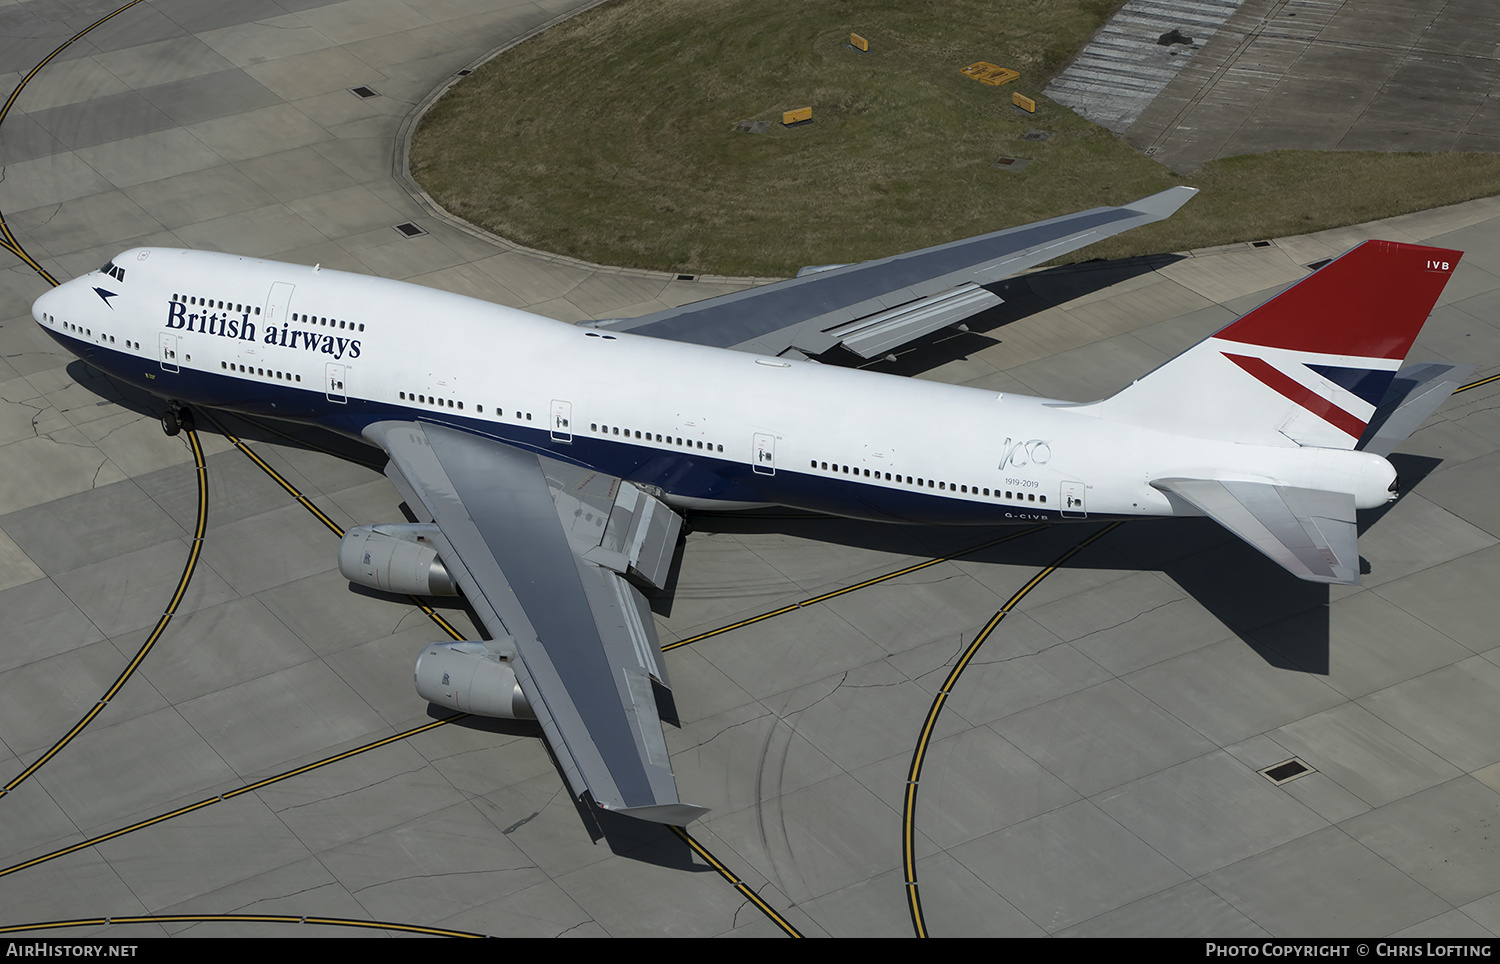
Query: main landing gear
{"type": "Point", "coordinates": [176, 418]}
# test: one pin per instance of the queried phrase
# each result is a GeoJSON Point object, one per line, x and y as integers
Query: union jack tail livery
{"type": "Point", "coordinates": [1310, 367]}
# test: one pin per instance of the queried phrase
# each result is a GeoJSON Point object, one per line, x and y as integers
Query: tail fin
{"type": "Point", "coordinates": [1308, 367]}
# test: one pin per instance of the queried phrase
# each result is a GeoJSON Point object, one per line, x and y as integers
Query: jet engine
{"type": "Point", "coordinates": [395, 558]}
{"type": "Point", "coordinates": [470, 677]}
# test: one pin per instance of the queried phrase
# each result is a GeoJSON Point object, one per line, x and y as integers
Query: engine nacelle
{"type": "Point", "coordinates": [395, 558]}
{"type": "Point", "coordinates": [468, 677]}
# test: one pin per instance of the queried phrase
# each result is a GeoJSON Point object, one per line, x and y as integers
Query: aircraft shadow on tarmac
{"type": "Point", "coordinates": [641, 840]}
{"type": "Point", "coordinates": [1023, 296]}
{"type": "Point", "coordinates": [1281, 617]}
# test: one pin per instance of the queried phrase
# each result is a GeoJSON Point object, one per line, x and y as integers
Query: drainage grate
{"type": "Point", "coordinates": [687, 277]}
{"type": "Point", "coordinates": [1036, 135]}
{"type": "Point", "coordinates": [364, 93]}
{"type": "Point", "coordinates": [1012, 163]}
{"type": "Point", "coordinates": [1260, 244]}
{"type": "Point", "coordinates": [465, 72]}
{"type": "Point", "coordinates": [1286, 772]}
{"type": "Point", "coordinates": [409, 229]}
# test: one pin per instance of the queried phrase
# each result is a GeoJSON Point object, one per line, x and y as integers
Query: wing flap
{"type": "Point", "coordinates": [1309, 532]}
{"type": "Point", "coordinates": [877, 334]}
{"type": "Point", "coordinates": [613, 523]}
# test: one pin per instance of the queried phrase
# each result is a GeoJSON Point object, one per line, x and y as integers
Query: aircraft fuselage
{"type": "Point", "coordinates": [707, 427]}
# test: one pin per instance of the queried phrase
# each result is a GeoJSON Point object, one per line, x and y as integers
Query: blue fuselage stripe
{"type": "Point", "coordinates": [688, 475]}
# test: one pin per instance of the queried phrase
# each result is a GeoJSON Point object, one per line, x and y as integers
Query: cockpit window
{"type": "Point", "coordinates": [114, 271]}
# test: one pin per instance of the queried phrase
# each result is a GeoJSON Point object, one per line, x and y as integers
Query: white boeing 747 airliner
{"type": "Point", "coordinates": [548, 461]}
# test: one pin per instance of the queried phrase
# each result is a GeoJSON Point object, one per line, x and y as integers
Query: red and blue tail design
{"type": "Point", "coordinates": [1308, 367]}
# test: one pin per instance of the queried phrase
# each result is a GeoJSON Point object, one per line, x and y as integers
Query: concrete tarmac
{"type": "Point", "coordinates": [1094, 770]}
{"type": "Point", "coordinates": [1354, 75]}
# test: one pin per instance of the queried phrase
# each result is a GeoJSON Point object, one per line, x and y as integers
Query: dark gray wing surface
{"type": "Point", "coordinates": [874, 306]}
{"type": "Point", "coordinates": [1310, 532]}
{"type": "Point", "coordinates": [585, 648]}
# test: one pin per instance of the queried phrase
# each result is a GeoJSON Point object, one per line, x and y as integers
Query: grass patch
{"type": "Point", "coordinates": [611, 138]}
{"type": "Point", "coordinates": [1284, 193]}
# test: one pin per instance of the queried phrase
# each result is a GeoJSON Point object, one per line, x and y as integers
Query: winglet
{"type": "Point", "coordinates": [674, 814]}
{"type": "Point", "coordinates": [1163, 204]}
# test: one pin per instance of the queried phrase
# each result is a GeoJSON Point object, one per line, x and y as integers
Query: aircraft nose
{"type": "Point", "coordinates": [46, 305]}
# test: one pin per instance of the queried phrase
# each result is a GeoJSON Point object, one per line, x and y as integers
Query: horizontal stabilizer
{"type": "Point", "coordinates": [1308, 532]}
{"type": "Point", "coordinates": [1415, 393]}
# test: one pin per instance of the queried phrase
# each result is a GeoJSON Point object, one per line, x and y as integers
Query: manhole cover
{"type": "Point", "coordinates": [1286, 772]}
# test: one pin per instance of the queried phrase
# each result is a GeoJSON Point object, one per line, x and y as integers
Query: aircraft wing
{"type": "Point", "coordinates": [539, 548]}
{"type": "Point", "coordinates": [875, 306]}
{"type": "Point", "coordinates": [1309, 532]}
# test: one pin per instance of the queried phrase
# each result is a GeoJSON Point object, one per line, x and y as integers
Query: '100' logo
{"type": "Point", "coordinates": [1030, 452]}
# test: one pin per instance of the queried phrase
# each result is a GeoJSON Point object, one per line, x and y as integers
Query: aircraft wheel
{"type": "Point", "coordinates": [170, 423]}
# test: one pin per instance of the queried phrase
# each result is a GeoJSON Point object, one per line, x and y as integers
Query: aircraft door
{"type": "Point", "coordinates": [334, 383]}
{"type": "Point", "coordinates": [562, 421]}
{"type": "Point", "coordinates": [1072, 500]}
{"type": "Point", "coordinates": [764, 454]}
{"type": "Point", "coordinates": [168, 351]}
{"type": "Point", "coordinates": [276, 302]}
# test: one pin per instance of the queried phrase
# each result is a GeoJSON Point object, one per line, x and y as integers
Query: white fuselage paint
{"type": "Point", "coordinates": [735, 429]}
